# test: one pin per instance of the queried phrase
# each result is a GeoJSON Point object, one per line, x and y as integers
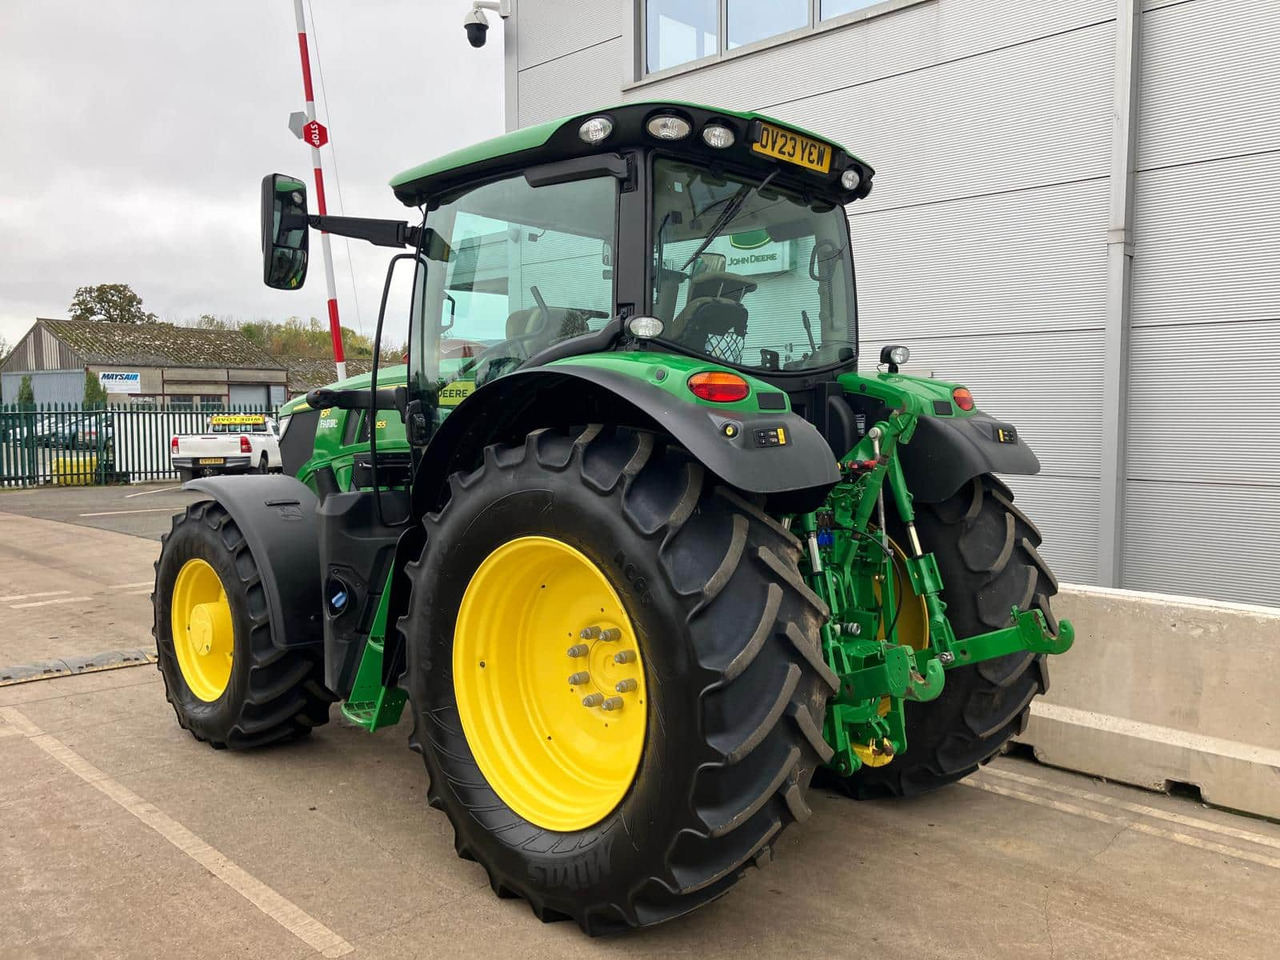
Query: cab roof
{"type": "Point", "coordinates": [558, 140]}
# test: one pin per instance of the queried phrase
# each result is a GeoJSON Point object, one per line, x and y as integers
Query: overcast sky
{"type": "Point", "coordinates": [134, 135]}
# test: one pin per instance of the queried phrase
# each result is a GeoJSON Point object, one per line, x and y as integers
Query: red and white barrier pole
{"type": "Point", "coordinates": [335, 328]}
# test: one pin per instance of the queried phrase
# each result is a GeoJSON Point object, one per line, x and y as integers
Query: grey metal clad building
{"type": "Point", "coordinates": [1076, 212]}
{"type": "Point", "coordinates": [158, 364]}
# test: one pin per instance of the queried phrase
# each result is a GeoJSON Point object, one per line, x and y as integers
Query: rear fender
{"type": "Point", "coordinates": [946, 453]}
{"type": "Point", "coordinates": [740, 444]}
{"type": "Point", "coordinates": [277, 515]}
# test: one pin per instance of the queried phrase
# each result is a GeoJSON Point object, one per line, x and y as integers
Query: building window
{"type": "Point", "coordinates": [181, 402]}
{"type": "Point", "coordinates": [835, 8]}
{"type": "Point", "coordinates": [752, 20]}
{"type": "Point", "coordinates": [211, 403]}
{"type": "Point", "coordinates": [681, 30]}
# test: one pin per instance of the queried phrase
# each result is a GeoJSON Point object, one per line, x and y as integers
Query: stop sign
{"type": "Point", "coordinates": [315, 134]}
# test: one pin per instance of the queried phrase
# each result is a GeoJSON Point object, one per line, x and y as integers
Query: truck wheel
{"type": "Point", "coordinates": [263, 466]}
{"type": "Point", "coordinates": [227, 682]}
{"type": "Point", "coordinates": [616, 676]}
{"type": "Point", "coordinates": [986, 552]}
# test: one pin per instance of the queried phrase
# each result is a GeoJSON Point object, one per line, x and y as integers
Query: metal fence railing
{"type": "Point", "coordinates": [72, 444]}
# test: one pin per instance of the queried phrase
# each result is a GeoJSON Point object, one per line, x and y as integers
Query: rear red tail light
{"type": "Point", "coordinates": [173, 445]}
{"type": "Point", "coordinates": [718, 387]}
{"type": "Point", "coordinates": [245, 446]}
{"type": "Point", "coordinates": [963, 398]}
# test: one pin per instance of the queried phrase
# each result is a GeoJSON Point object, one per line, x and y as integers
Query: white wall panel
{"type": "Point", "coordinates": [1066, 511]}
{"type": "Point", "coordinates": [581, 81]}
{"type": "Point", "coordinates": [1208, 242]}
{"type": "Point", "coordinates": [1018, 117]}
{"type": "Point", "coordinates": [1204, 404]}
{"type": "Point", "coordinates": [1210, 81]}
{"type": "Point", "coordinates": [1017, 262]}
{"type": "Point", "coordinates": [1203, 540]}
{"type": "Point", "coordinates": [553, 28]}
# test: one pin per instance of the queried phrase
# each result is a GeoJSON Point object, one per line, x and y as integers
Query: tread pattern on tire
{"type": "Point", "coordinates": [986, 549]}
{"type": "Point", "coordinates": [749, 619]}
{"type": "Point", "coordinates": [285, 696]}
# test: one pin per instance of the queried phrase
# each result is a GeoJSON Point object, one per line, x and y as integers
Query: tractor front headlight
{"type": "Point", "coordinates": [667, 127]}
{"type": "Point", "coordinates": [717, 135]}
{"type": "Point", "coordinates": [595, 130]}
{"type": "Point", "coordinates": [850, 179]}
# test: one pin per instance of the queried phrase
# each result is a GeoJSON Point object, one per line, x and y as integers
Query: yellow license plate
{"type": "Point", "coordinates": [793, 148]}
{"type": "Point", "coordinates": [211, 461]}
{"type": "Point", "coordinates": [452, 394]}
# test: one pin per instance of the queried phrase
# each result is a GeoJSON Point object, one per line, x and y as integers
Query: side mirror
{"type": "Point", "coordinates": [284, 231]}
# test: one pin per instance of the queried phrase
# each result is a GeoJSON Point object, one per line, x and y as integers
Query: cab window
{"type": "Point", "coordinates": [522, 268]}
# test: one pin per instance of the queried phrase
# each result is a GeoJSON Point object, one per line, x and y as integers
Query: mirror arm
{"type": "Point", "coordinates": [382, 233]}
{"type": "Point", "coordinates": [323, 398]}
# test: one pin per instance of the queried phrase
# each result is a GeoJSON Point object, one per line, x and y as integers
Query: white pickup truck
{"type": "Point", "coordinates": [231, 443]}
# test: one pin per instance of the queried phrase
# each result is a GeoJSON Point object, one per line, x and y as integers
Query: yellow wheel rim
{"type": "Point", "coordinates": [549, 683]}
{"type": "Point", "coordinates": [203, 633]}
{"type": "Point", "coordinates": [913, 631]}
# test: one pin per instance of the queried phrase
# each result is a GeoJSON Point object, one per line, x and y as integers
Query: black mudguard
{"type": "Point", "coordinates": [795, 474]}
{"type": "Point", "coordinates": [277, 515]}
{"type": "Point", "coordinates": [946, 453]}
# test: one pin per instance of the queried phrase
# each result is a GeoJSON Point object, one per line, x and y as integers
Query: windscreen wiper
{"type": "Point", "coordinates": [726, 216]}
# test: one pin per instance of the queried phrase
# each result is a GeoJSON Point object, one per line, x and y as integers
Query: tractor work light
{"type": "Point", "coordinates": [850, 179]}
{"type": "Point", "coordinates": [963, 398]}
{"type": "Point", "coordinates": [667, 127]}
{"type": "Point", "coordinates": [718, 136]}
{"type": "Point", "coordinates": [595, 130]}
{"type": "Point", "coordinates": [895, 355]}
{"type": "Point", "coordinates": [646, 328]}
{"type": "Point", "coordinates": [718, 386]}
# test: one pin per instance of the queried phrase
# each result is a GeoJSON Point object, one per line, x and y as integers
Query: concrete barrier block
{"type": "Point", "coordinates": [1160, 690]}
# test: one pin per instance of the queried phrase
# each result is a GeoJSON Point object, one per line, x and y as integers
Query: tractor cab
{"type": "Point", "coordinates": [706, 233]}
{"type": "Point", "coordinates": [664, 228]}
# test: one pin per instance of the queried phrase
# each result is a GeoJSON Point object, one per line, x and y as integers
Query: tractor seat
{"type": "Point", "coordinates": [541, 329]}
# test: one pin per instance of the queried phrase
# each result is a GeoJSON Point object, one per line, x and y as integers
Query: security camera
{"type": "Point", "coordinates": [476, 26]}
{"type": "Point", "coordinates": [475, 23]}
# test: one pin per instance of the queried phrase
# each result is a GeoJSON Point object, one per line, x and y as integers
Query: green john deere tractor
{"type": "Point", "coordinates": [631, 534]}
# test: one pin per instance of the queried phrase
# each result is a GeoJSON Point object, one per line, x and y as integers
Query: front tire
{"type": "Point", "coordinates": [735, 685]}
{"type": "Point", "coordinates": [986, 552]}
{"type": "Point", "coordinates": [228, 683]}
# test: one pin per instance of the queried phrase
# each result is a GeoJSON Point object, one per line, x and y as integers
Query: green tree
{"type": "Point", "coordinates": [26, 393]}
{"type": "Point", "coordinates": [95, 395]}
{"type": "Point", "coordinates": [109, 303]}
{"type": "Point", "coordinates": [4, 349]}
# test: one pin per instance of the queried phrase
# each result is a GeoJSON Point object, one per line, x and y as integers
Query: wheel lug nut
{"type": "Point", "coordinates": [590, 633]}
{"type": "Point", "coordinates": [613, 703]}
{"type": "Point", "coordinates": [625, 686]}
{"type": "Point", "coordinates": [613, 633]}
{"type": "Point", "coordinates": [593, 700]}
{"type": "Point", "coordinates": [580, 677]}
{"type": "Point", "coordinates": [579, 650]}
{"type": "Point", "coordinates": [624, 656]}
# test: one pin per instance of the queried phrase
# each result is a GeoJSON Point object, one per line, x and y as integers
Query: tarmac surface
{"type": "Point", "coordinates": [122, 837]}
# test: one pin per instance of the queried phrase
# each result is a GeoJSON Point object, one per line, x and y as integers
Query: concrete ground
{"type": "Point", "coordinates": [121, 836]}
{"type": "Point", "coordinates": [141, 510]}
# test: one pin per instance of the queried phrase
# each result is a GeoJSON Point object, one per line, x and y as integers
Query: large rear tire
{"type": "Point", "coordinates": [229, 685]}
{"type": "Point", "coordinates": [986, 552]}
{"type": "Point", "coordinates": [735, 687]}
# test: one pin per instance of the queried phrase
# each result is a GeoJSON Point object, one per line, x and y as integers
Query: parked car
{"type": "Point", "coordinates": [231, 443]}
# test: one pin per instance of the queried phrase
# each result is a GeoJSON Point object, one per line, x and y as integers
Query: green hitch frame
{"type": "Point", "coordinates": [866, 579]}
